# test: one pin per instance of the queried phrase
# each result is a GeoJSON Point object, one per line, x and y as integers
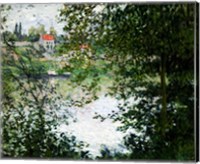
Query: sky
{"type": "Point", "coordinates": [34, 15]}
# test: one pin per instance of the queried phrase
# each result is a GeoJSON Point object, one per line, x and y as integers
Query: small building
{"type": "Point", "coordinates": [48, 42]}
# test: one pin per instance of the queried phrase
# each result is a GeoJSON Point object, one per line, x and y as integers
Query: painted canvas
{"type": "Point", "coordinates": [98, 81]}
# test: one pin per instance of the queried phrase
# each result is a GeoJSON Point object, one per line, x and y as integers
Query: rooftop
{"type": "Point", "coordinates": [47, 37]}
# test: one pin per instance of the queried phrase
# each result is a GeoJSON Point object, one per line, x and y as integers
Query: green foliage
{"type": "Point", "coordinates": [31, 119]}
{"type": "Point", "coordinates": [80, 32]}
{"type": "Point", "coordinates": [41, 29]}
{"type": "Point", "coordinates": [33, 37]}
{"type": "Point", "coordinates": [18, 31]}
{"type": "Point", "coordinates": [53, 31]}
{"type": "Point", "coordinates": [160, 34]}
{"type": "Point", "coordinates": [111, 154]}
{"type": "Point", "coordinates": [34, 33]}
{"type": "Point", "coordinates": [148, 50]}
{"type": "Point", "coordinates": [9, 37]}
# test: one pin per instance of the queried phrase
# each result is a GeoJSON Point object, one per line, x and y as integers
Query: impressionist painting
{"type": "Point", "coordinates": [98, 81]}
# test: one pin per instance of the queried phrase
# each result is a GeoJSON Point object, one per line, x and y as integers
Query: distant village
{"type": "Point", "coordinates": [37, 35]}
{"type": "Point", "coordinates": [40, 39]}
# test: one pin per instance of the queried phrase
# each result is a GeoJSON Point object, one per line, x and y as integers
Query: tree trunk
{"type": "Point", "coordinates": [163, 114]}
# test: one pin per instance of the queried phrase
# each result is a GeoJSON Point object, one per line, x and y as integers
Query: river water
{"type": "Point", "coordinates": [93, 131]}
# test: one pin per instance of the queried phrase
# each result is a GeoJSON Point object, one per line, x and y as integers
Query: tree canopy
{"type": "Point", "coordinates": [149, 53]}
{"type": "Point", "coordinates": [146, 52]}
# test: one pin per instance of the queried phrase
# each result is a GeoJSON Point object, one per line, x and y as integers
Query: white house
{"type": "Point", "coordinates": [48, 42]}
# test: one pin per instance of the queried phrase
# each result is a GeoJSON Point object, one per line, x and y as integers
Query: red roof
{"type": "Point", "coordinates": [47, 37]}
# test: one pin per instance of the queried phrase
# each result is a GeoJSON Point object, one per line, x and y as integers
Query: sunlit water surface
{"type": "Point", "coordinates": [93, 131]}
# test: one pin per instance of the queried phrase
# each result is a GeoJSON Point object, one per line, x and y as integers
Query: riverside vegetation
{"type": "Point", "coordinates": [143, 53]}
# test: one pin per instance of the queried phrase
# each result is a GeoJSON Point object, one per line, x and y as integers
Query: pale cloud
{"type": "Point", "coordinates": [34, 15]}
